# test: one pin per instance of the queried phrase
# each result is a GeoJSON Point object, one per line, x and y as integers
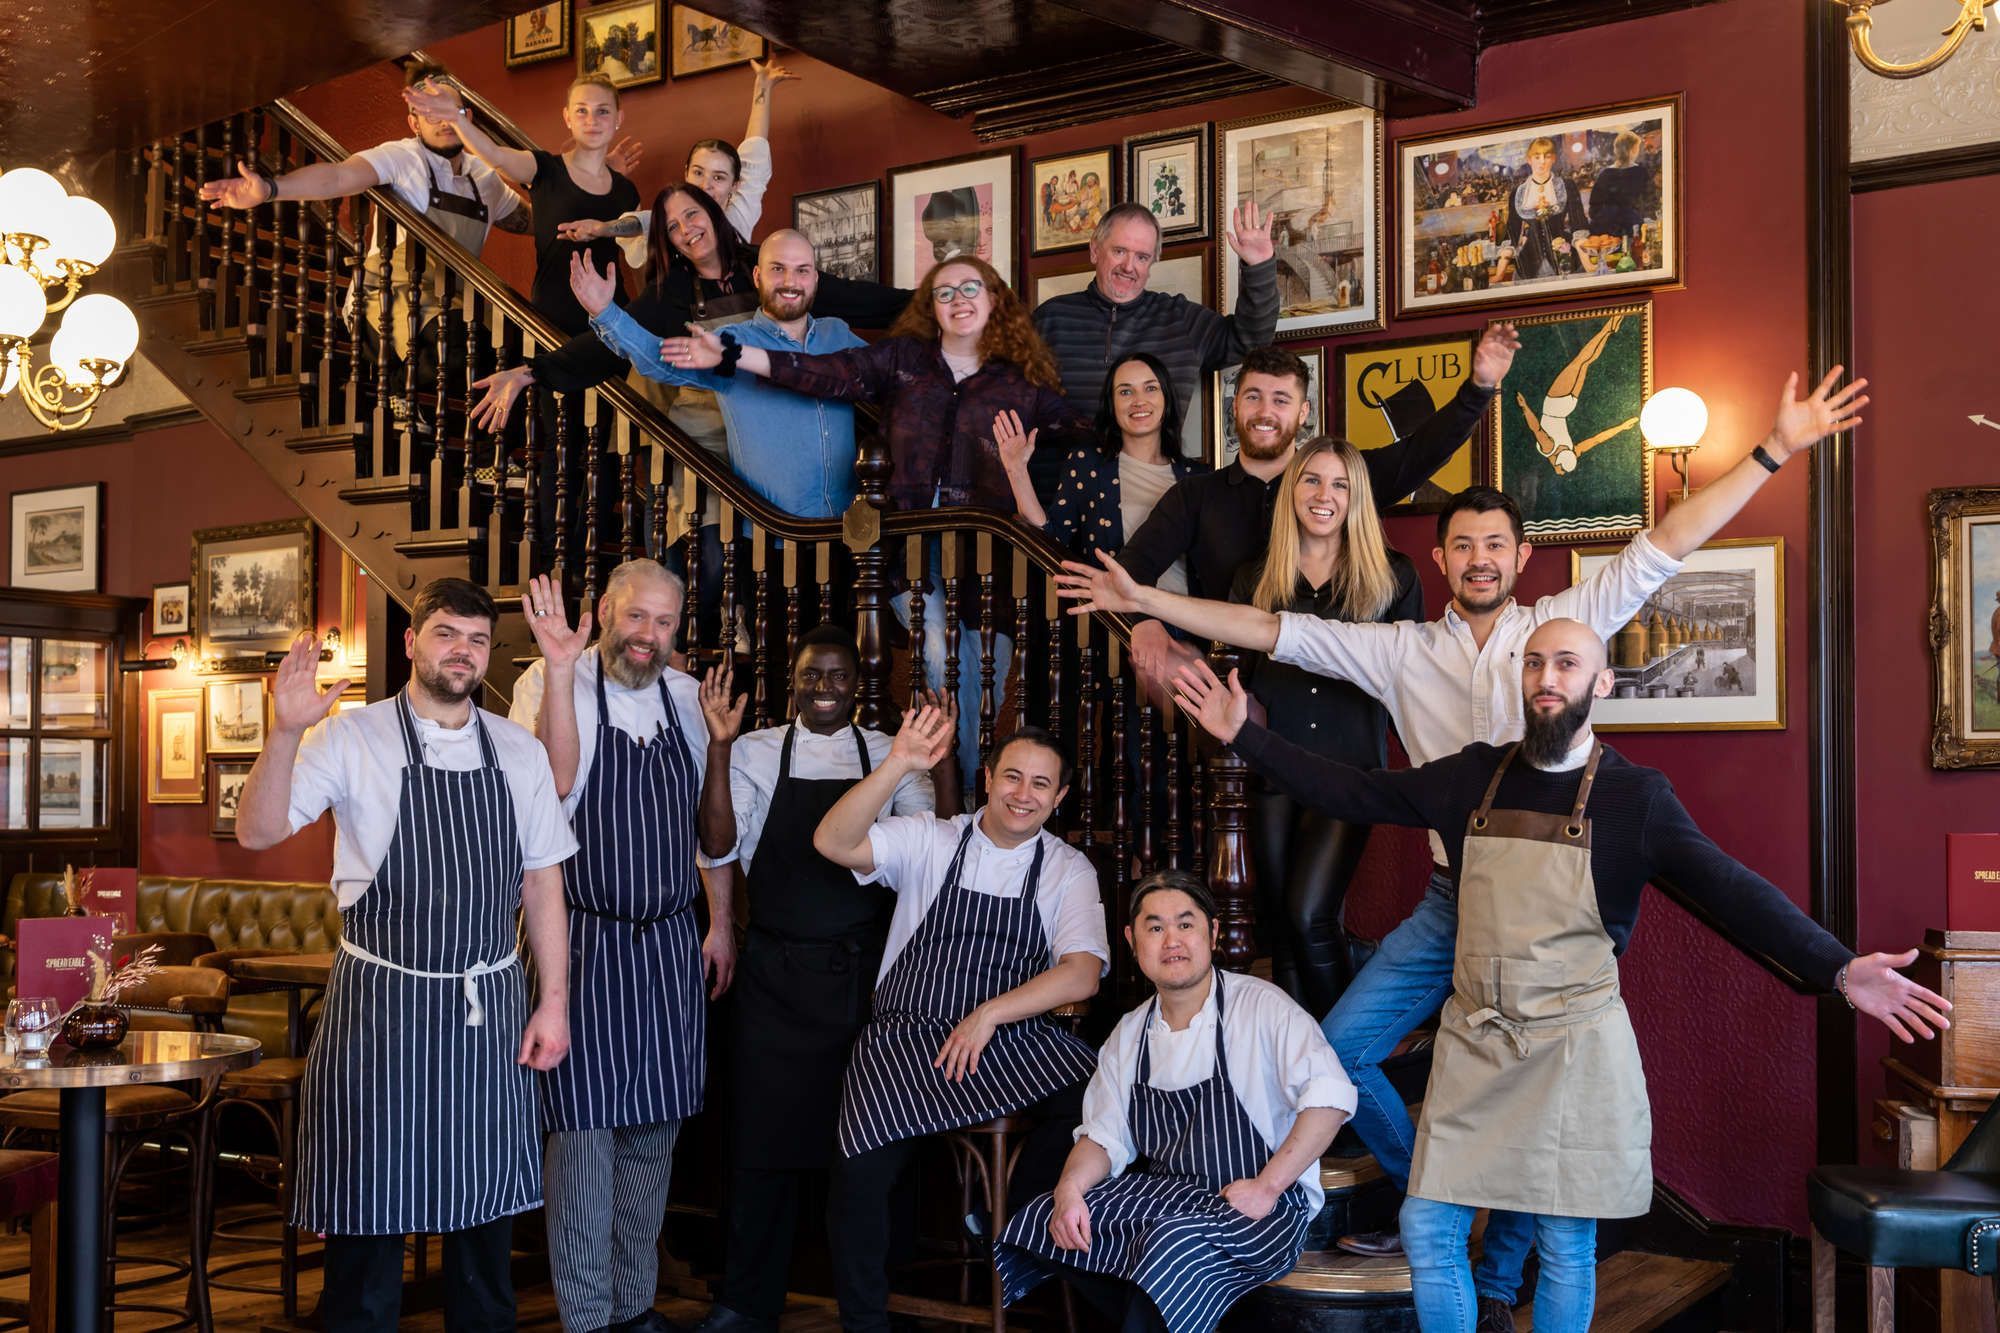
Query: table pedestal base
{"type": "Point", "coordinates": [80, 1252]}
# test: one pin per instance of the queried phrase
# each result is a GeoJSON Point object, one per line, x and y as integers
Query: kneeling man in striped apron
{"type": "Point", "coordinates": [1191, 1093]}
{"type": "Point", "coordinates": [417, 1113]}
{"type": "Point", "coordinates": [627, 741]}
{"type": "Point", "coordinates": [1537, 1102]}
{"type": "Point", "coordinates": [997, 922]}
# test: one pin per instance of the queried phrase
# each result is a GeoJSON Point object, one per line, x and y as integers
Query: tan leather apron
{"type": "Point", "coordinates": [1537, 1101]}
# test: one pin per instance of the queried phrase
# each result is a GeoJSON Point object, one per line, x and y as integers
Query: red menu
{"type": "Point", "coordinates": [1972, 881]}
{"type": "Point", "coordinates": [55, 952]}
{"type": "Point", "coordinates": [113, 891]}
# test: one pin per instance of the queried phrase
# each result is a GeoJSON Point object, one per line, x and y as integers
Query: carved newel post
{"type": "Point", "coordinates": [862, 533]}
{"type": "Point", "coordinates": [1231, 877]}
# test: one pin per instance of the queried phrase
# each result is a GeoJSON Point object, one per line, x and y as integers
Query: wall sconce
{"type": "Point", "coordinates": [176, 659]}
{"type": "Point", "coordinates": [1672, 423]}
{"type": "Point", "coordinates": [1971, 15]}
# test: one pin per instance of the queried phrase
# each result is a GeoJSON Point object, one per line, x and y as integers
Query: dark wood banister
{"type": "Point", "coordinates": [896, 523]}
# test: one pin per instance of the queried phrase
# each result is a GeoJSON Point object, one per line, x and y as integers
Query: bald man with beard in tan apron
{"type": "Point", "coordinates": [1537, 1100]}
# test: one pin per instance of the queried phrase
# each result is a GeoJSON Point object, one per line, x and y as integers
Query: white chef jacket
{"type": "Point", "coordinates": [1279, 1064]}
{"type": "Point", "coordinates": [352, 763]}
{"type": "Point", "coordinates": [913, 852]}
{"type": "Point", "coordinates": [637, 713]}
{"type": "Point", "coordinates": [753, 777]}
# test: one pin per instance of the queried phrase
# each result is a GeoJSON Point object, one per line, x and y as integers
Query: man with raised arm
{"type": "Point", "coordinates": [1537, 1102]}
{"type": "Point", "coordinates": [1447, 683]}
{"type": "Point", "coordinates": [997, 922]}
{"type": "Point", "coordinates": [417, 1113]}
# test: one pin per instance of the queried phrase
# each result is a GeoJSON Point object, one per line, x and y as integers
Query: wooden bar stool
{"type": "Point", "coordinates": [28, 1185]}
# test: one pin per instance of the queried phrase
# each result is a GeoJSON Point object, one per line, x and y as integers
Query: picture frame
{"type": "Point", "coordinates": [229, 777]}
{"type": "Point", "coordinates": [56, 536]}
{"type": "Point", "coordinates": [1172, 173]}
{"type": "Point", "coordinates": [1965, 626]}
{"type": "Point", "coordinates": [954, 205]}
{"type": "Point", "coordinates": [171, 614]}
{"type": "Point", "coordinates": [1067, 195]}
{"type": "Point", "coordinates": [1222, 418]}
{"type": "Point", "coordinates": [176, 764]}
{"type": "Point", "coordinates": [1591, 371]}
{"type": "Point", "coordinates": [1707, 650]}
{"type": "Point", "coordinates": [237, 622]}
{"type": "Point", "coordinates": [1391, 387]}
{"type": "Point", "coordinates": [1467, 239]}
{"type": "Point", "coordinates": [75, 684]}
{"type": "Point", "coordinates": [69, 790]}
{"type": "Point", "coordinates": [1319, 171]}
{"type": "Point", "coordinates": [236, 713]}
{"type": "Point", "coordinates": [845, 226]}
{"type": "Point", "coordinates": [621, 41]}
{"type": "Point", "coordinates": [542, 33]}
{"type": "Point", "coordinates": [702, 43]}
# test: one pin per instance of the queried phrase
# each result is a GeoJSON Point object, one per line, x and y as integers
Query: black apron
{"type": "Point", "coordinates": [806, 976]}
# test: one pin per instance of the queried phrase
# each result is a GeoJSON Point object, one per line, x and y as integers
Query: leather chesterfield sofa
{"type": "Point", "coordinates": [234, 913]}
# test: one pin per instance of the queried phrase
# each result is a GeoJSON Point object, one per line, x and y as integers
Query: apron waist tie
{"type": "Point", "coordinates": [475, 1010]}
{"type": "Point", "coordinates": [1516, 1030]}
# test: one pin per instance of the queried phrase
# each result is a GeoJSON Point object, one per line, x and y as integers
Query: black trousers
{"type": "Point", "coordinates": [364, 1281]}
{"type": "Point", "coordinates": [857, 1210]}
{"type": "Point", "coordinates": [763, 1212]}
{"type": "Point", "coordinates": [1129, 1309]}
{"type": "Point", "coordinates": [1304, 861]}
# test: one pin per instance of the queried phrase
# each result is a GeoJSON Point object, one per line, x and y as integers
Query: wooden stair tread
{"type": "Point", "coordinates": [1346, 1173]}
{"type": "Point", "coordinates": [1638, 1291]}
{"type": "Point", "coordinates": [1336, 1272]}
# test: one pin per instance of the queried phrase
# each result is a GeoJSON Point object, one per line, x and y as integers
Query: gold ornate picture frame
{"type": "Point", "coordinates": [1965, 627]}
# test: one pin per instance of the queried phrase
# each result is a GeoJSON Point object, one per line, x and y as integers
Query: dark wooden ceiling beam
{"type": "Point", "coordinates": [1152, 78]}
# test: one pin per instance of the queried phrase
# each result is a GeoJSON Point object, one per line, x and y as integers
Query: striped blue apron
{"type": "Point", "coordinates": [1164, 1224]}
{"type": "Point", "coordinates": [969, 948]}
{"type": "Point", "coordinates": [414, 1115]}
{"type": "Point", "coordinates": [638, 1015]}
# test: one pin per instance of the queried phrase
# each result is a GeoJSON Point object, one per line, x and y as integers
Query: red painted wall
{"type": "Point", "coordinates": [159, 487]}
{"type": "Point", "coordinates": [1924, 331]}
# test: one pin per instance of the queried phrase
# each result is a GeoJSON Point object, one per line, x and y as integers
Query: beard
{"type": "Point", "coordinates": [632, 675]}
{"type": "Point", "coordinates": [1281, 443]}
{"type": "Point", "coordinates": [449, 150]}
{"type": "Point", "coordinates": [1546, 737]}
{"type": "Point", "coordinates": [434, 682]}
{"type": "Point", "coordinates": [783, 308]}
{"type": "Point", "coordinates": [1503, 588]}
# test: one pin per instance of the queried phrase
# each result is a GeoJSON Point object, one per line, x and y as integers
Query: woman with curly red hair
{"type": "Point", "coordinates": [963, 354]}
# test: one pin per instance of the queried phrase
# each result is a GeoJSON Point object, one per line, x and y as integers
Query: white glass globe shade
{"type": "Point", "coordinates": [31, 201]}
{"type": "Point", "coordinates": [101, 327]}
{"type": "Point", "coordinates": [23, 307]}
{"type": "Point", "coordinates": [66, 353]}
{"type": "Point", "coordinates": [83, 233]}
{"type": "Point", "coordinates": [1674, 419]}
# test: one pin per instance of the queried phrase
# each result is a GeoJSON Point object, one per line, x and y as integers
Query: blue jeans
{"type": "Point", "coordinates": [968, 660]}
{"type": "Point", "coordinates": [1405, 983]}
{"type": "Point", "coordinates": [1441, 1279]}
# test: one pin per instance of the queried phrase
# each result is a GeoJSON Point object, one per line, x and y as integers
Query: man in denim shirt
{"type": "Point", "coordinates": [795, 451]}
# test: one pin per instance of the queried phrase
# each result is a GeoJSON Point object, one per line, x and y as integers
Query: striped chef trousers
{"type": "Point", "coordinates": [599, 1182]}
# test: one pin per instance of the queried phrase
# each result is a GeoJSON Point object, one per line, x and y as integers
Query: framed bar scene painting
{"type": "Point", "coordinates": [1067, 195]}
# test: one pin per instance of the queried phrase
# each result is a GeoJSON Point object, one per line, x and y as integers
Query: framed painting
{"type": "Point", "coordinates": [1707, 651]}
{"type": "Point", "coordinates": [1067, 196]}
{"type": "Point", "coordinates": [621, 42]}
{"type": "Point", "coordinates": [236, 712]}
{"type": "Point", "coordinates": [170, 610]}
{"type": "Point", "coordinates": [1965, 627]}
{"type": "Point", "coordinates": [253, 590]}
{"type": "Point", "coordinates": [845, 226]}
{"type": "Point", "coordinates": [1577, 204]}
{"type": "Point", "coordinates": [704, 43]}
{"type": "Point", "coordinates": [543, 33]}
{"type": "Point", "coordinates": [226, 794]}
{"type": "Point", "coordinates": [57, 538]}
{"type": "Point", "coordinates": [1169, 172]}
{"type": "Point", "coordinates": [1565, 424]}
{"type": "Point", "coordinates": [954, 206]}
{"type": "Point", "coordinates": [1222, 391]}
{"type": "Point", "coordinates": [1389, 388]}
{"type": "Point", "coordinates": [1316, 178]}
{"type": "Point", "coordinates": [176, 772]}
{"type": "Point", "coordinates": [74, 678]}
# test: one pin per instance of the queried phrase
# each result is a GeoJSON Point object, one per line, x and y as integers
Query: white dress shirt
{"type": "Point", "coordinates": [1279, 1064]}
{"type": "Point", "coordinates": [352, 764]}
{"type": "Point", "coordinates": [1443, 691]}
{"type": "Point", "coordinates": [753, 777]}
{"type": "Point", "coordinates": [913, 852]}
{"type": "Point", "coordinates": [638, 713]}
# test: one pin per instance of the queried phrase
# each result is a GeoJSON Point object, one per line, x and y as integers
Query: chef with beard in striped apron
{"type": "Point", "coordinates": [627, 741]}
{"type": "Point", "coordinates": [1175, 1200]}
{"type": "Point", "coordinates": [997, 922]}
{"type": "Point", "coordinates": [418, 1109]}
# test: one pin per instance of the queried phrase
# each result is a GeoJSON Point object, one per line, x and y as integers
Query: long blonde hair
{"type": "Point", "coordinates": [1364, 582]}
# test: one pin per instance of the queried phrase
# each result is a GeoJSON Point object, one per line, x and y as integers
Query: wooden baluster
{"type": "Point", "coordinates": [593, 472]}
{"type": "Point", "coordinates": [790, 572]}
{"type": "Point", "coordinates": [823, 573]}
{"type": "Point", "coordinates": [333, 326]}
{"type": "Point", "coordinates": [176, 194]}
{"type": "Point", "coordinates": [760, 626]}
{"type": "Point", "coordinates": [1229, 873]}
{"type": "Point", "coordinates": [1148, 739]}
{"type": "Point", "coordinates": [525, 562]}
{"type": "Point", "coordinates": [385, 342]}
{"type": "Point", "coordinates": [302, 290]}
{"type": "Point", "coordinates": [1198, 792]}
{"type": "Point", "coordinates": [440, 421]}
{"type": "Point", "coordinates": [1086, 731]}
{"type": "Point", "coordinates": [691, 503]}
{"type": "Point", "coordinates": [917, 571]}
{"type": "Point", "coordinates": [152, 222]}
{"type": "Point", "coordinates": [657, 507]}
{"type": "Point", "coordinates": [418, 261]}
{"type": "Point", "coordinates": [470, 337]}
{"type": "Point", "coordinates": [632, 546]}
{"type": "Point", "coordinates": [1171, 726]}
{"type": "Point", "coordinates": [559, 566]}
{"type": "Point", "coordinates": [1018, 688]}
{"type": "Point", "coordinates": [202, 214]}
{"type": "Point", "coordinates": [252, 320]}
{"type": "Point", "coordinates": [274, 288]}
{"type": "Point", "coordinates": [725, 634]}
{"type": "Point", "coordinates": [1059, 623]}
{"type": "Point", "coordinates": [1121, 786]}
{"type": "Point", "coordinates": [948, 567]}
{"type": "Point", "coordinates": [989, 697]}
{"type": "Point", "coordinates": [223, 311]}
{"type": "Point", "coordinates": [497, 574]}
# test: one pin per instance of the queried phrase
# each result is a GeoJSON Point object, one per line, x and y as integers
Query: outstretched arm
{"type": "Point", "coordinates": [1112, 589]}
{"type": "Point", "coordinates": [433, 101]}
{"type": "Point", "coordinates": [317, 180]}
{"type": "Point", "coordinates": [769, 75]}
{"type": "Point", "coordinates": [1396, 470]}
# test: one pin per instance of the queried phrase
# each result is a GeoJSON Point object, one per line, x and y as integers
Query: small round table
{"type": "Point", "coordinates": [82, 1077]}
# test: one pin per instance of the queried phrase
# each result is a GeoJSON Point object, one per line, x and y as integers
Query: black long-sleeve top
{"type": "Point", "coordinates": [1640, 832]}
{"type": "Point", "coordinates": [1220, 520]}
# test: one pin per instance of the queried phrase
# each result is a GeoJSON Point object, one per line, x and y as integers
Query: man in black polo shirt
{"type": "Point", "coordinates": [1220, 520]}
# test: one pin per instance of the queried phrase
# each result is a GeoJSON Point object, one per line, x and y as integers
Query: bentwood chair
{"type": "Point", "coordinates": [1890, 1219]}
{"type": "Point", "coordinates": [28, 1185]}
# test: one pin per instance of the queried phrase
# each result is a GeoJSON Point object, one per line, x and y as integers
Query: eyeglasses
{"type": "Point", "coordinates": [969, 289]}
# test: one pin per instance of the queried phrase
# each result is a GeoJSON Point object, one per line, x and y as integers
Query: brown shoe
{"type": "Point", "coordinates": [1373, 1244]}
{"type": "Point", "coordinates": [1495, 1316]}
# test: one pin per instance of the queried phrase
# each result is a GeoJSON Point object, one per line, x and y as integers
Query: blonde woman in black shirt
{"type": "Point", "coordinates": [1327, 557]}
